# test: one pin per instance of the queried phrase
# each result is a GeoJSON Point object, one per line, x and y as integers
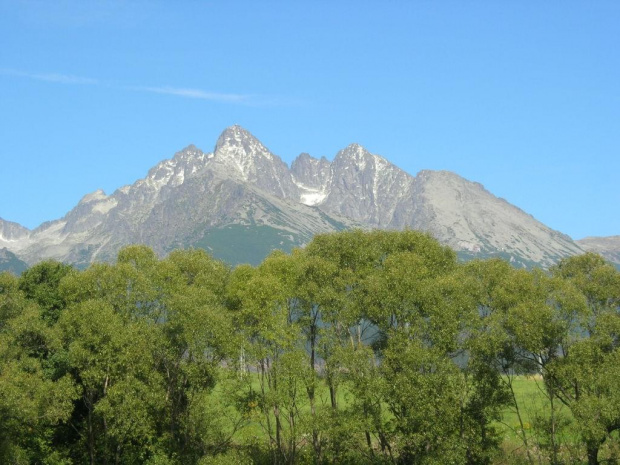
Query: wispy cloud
{"type": "Point", "coordinates": [50, 77]}
{"type": "Point", "coordinates": [200, 94]}
{"type": "Point", "coordinates": [196, 94]}
{"type": "Point", "coordinates": [65, 78]}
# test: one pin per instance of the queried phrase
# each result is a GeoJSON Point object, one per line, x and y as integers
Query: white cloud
{"type": "Point", "coordinates": [239, 99]}
{"type": "Point", "coordinates": [51, 77]}
{"type": "Point", "coordinates": [64, 78]}
{"type": "Point", "coordinates": [196, 94]}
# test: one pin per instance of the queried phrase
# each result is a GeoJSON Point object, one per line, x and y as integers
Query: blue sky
{"type": "Point", "coordinates": [523, 97]}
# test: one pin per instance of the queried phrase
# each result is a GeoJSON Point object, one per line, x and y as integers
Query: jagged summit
{"type": "Point", "coordinates": [303, 157]}
{"type": "Point", "coordinates": [12, 236]}
{"type": "Point", "coordinates": [240, 150]}
{"type": "Point", "coordinates": [97, 195]}
{"type": "Point", "coordinates": [243, 156]}
{"type": "Point", "coordinates": [237, 137]}
{"type": "Point", "coordinates": [10, 230]}
{"type": "Point", "coordinates": [191, 157]}
{"type": "Point", "coordinates": [354, 147]}
{"type": "Point", "coordinates": [191, 149]}
{"type": "Point", "coordinates": [312, 177]}
{"type": "Point", "coordinates": [358, 156]}
{"type": "Point", "coordinates": [354, 151]}
{"type": "Point", "coordinates": [368, 188]}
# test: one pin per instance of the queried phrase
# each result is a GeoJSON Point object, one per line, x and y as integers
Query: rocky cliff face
{"type": "Point", "coordinates": [311, 172]}
{"type": "Point", "coordinates": [241, 201]}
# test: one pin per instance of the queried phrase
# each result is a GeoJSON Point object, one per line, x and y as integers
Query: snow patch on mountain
{"type": "Point", "coordinates": [309, 195]}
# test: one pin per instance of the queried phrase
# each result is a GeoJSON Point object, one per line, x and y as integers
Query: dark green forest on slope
{"type": "Point", "coordinates": [362, 348]}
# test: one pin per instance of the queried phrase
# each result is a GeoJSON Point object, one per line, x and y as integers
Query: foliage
{"type": "Point", "coordinates": [363, 347]}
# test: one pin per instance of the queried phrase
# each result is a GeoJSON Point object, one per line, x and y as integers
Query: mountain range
{"type": "Point", "coordinates": [241, 201]}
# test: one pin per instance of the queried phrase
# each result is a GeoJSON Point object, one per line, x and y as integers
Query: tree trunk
{"type": "Point", "coordinates": [332, 396]}
{"type": "Point", "coordinates": [316, 445]}
{"type": "Point", "coordinates": [369, 443]}
{"type": "Point", "coordinates": [91, 438]}
{"type": "Point", "coordinates": [385, 445]}
{"type": "Point", "coordinates": [276, 414]}
{"type": "Point", "coordinates": [367, 433]}
{"type": "Point", "coordinates": [105, 423]}
{"type": "Point", "coordinates": [553, 432]}
{"type": "Point", "coordinates": [593, 455]}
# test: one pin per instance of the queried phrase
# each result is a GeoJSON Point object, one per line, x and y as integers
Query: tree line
{"type": "Point", "coordinates": [363, 347]}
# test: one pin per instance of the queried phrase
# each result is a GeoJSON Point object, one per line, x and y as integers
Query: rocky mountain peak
{"type": "Point", "coordinates": [237, 139]}
{"type": "Point", "coordinates": [312, 177]}
{"type": "Point", "coordinates": [10, 231]}
{"type": "Point", "coordinates": [191, 151]}
{"type": "Point", "coordinates": [352, 151]}
{"type": "Point", "coordinates": [190, 159]}
{"type": "Point", "coordinates": [367, 188]}
{"type": "Point", "coordinates": [95, 196]}
{"type": "Point", "coordinates": [311, 174]}
{"type": "Point", "coordinates": [304, 159]}
{"type": "Point", "coordinates": [359, 159]}
{"type": "Point", "coordinates": [243, 156]}
{"type": "Point", "coordinates": [241, 151]}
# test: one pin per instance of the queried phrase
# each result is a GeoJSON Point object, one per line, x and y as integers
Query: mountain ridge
{"type": "Point", "coordinates": [189, 199]}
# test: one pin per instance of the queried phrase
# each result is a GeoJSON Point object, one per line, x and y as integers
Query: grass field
{"type": "Point", "coordinates": [532, 426]}
{"type": "Point", "coordinates": [532, 402]}
{"type": "Point", "coordinates": [535, 411]}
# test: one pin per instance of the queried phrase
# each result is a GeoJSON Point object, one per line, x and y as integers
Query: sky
{"type": "Point", "coordinates": [523, 97]}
